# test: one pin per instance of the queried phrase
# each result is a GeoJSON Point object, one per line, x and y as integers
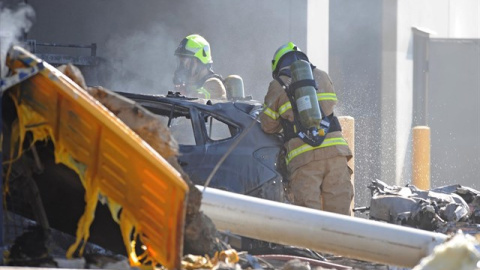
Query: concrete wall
{"type": "Point", "coordinates": [453, 113]}
{"type": "Point", "coordinates": [388, 153]}
{"type": "Point", "coordinates": [318, 22]}
{"type": "Point", "coordinates": [137, 39]}
{"type": "Point", "coordinates": [371, 66]}
{"type": "Point", "coordinates": [355, 67]}
{"type": "Point", "coordinates": [443, 18]}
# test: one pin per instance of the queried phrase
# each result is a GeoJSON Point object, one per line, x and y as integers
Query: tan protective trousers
{"type": "Point", "coordinates": [324, 185]}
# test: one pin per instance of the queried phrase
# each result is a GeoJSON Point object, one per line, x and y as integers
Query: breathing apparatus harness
{"type": "Point", "coordinates": [315, 134]}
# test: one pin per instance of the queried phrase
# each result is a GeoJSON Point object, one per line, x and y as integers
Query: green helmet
{"type": "Point", "coordinates": [282, 51]}
{"type": "Point", "coordinates": [195, 46]}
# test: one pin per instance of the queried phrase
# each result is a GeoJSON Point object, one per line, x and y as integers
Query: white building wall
{"type": "Point", "coordinates": [464, 19]}
{"type": "Point", "coordinates": [442, 18]}
{"type": "Point", "coordinates": [317, 32]}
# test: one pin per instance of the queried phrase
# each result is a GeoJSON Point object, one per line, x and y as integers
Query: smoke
{"type": "Point", "coordinates": [140, 62]}
{"type": "Point", "coordinates": [13, 24]}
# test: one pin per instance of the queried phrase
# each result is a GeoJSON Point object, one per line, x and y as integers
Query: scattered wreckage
{"type": "Point", "coordinates": [444, 209]}
{"type": "Point", "coordinates": [50, 152]}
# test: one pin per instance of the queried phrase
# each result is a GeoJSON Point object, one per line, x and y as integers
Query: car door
{"type": "Point", "coordinates": [220, 134]}
{"type": "Point", "coordinates": [187, 129]}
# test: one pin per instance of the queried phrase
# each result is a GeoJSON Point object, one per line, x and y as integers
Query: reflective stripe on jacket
{"type": "Point", "coordinates": [306, 147]}
{"type": "Point", "coordinates": [203, 92]}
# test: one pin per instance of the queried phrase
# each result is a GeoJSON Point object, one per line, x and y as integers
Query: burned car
{"type": "Point", "coordinates": [222, 142]}
{"type": "Point", "coordinates": [225, 134]}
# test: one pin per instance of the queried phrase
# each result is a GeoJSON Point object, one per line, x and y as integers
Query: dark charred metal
{"type": "Point", "coordinates": [443, 209]}
{"type": "Point", "coordinates": [63, 59]}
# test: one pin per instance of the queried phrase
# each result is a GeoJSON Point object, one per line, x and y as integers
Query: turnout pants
{"type": "Point", "coordinates": [324, 185]}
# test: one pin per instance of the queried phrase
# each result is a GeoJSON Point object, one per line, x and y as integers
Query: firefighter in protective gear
{"type": "Point", "coordinates": [194, 75]}
{"type": "Point", "coordinates": [319, 176]}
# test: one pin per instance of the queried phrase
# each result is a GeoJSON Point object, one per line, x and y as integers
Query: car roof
{"type": "Point", "coordinates": [227, 108]}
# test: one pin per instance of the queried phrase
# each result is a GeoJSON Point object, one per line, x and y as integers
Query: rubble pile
{"type": "Point", "coordinates": [444, 209]}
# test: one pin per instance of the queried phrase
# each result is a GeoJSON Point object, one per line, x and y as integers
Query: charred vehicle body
{"type": "Point", "coordinates": [207, 131]}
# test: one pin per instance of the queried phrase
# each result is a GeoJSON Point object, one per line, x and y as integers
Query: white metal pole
{"type": "Point", "coordinates": [347, 236]}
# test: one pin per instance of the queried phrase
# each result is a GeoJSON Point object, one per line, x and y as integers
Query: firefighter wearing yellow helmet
{"type": "Point", "coordinates": [319, 176]}
{"type": "Point", "coordinates": [194, 75]}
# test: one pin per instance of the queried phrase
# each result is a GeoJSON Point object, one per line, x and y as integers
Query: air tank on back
{"type": "Point", "coordinates": [234, 87]}
{"type": "Point", "coordinates": [306, 96]}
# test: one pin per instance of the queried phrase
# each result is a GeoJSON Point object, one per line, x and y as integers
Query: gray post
{"type": "Point", "coordinates": [421, 41]}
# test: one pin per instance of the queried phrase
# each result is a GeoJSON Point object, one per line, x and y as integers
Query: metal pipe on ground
{"type": "Point", "coordinates": [347, 236]}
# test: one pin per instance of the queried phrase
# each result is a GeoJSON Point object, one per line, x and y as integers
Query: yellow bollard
{"type": "Point", "coordinates": [421, 157]}
{"type": "Point", "coordinates": [348, 130]}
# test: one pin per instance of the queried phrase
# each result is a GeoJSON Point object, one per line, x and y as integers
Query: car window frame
{"type": "Point", "coordinates": [220, 118]}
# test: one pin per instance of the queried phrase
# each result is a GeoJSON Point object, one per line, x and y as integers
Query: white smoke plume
{"type": "Point", "coordinates": [13, 24]}
{"type": "Point", "coordinates": [141, 61]}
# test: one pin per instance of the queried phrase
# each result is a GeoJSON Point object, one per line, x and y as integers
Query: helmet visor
{"type": "Point", "coordinates": [183, 62]}
{"type": "Point", "coordinates": [182, 70]}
